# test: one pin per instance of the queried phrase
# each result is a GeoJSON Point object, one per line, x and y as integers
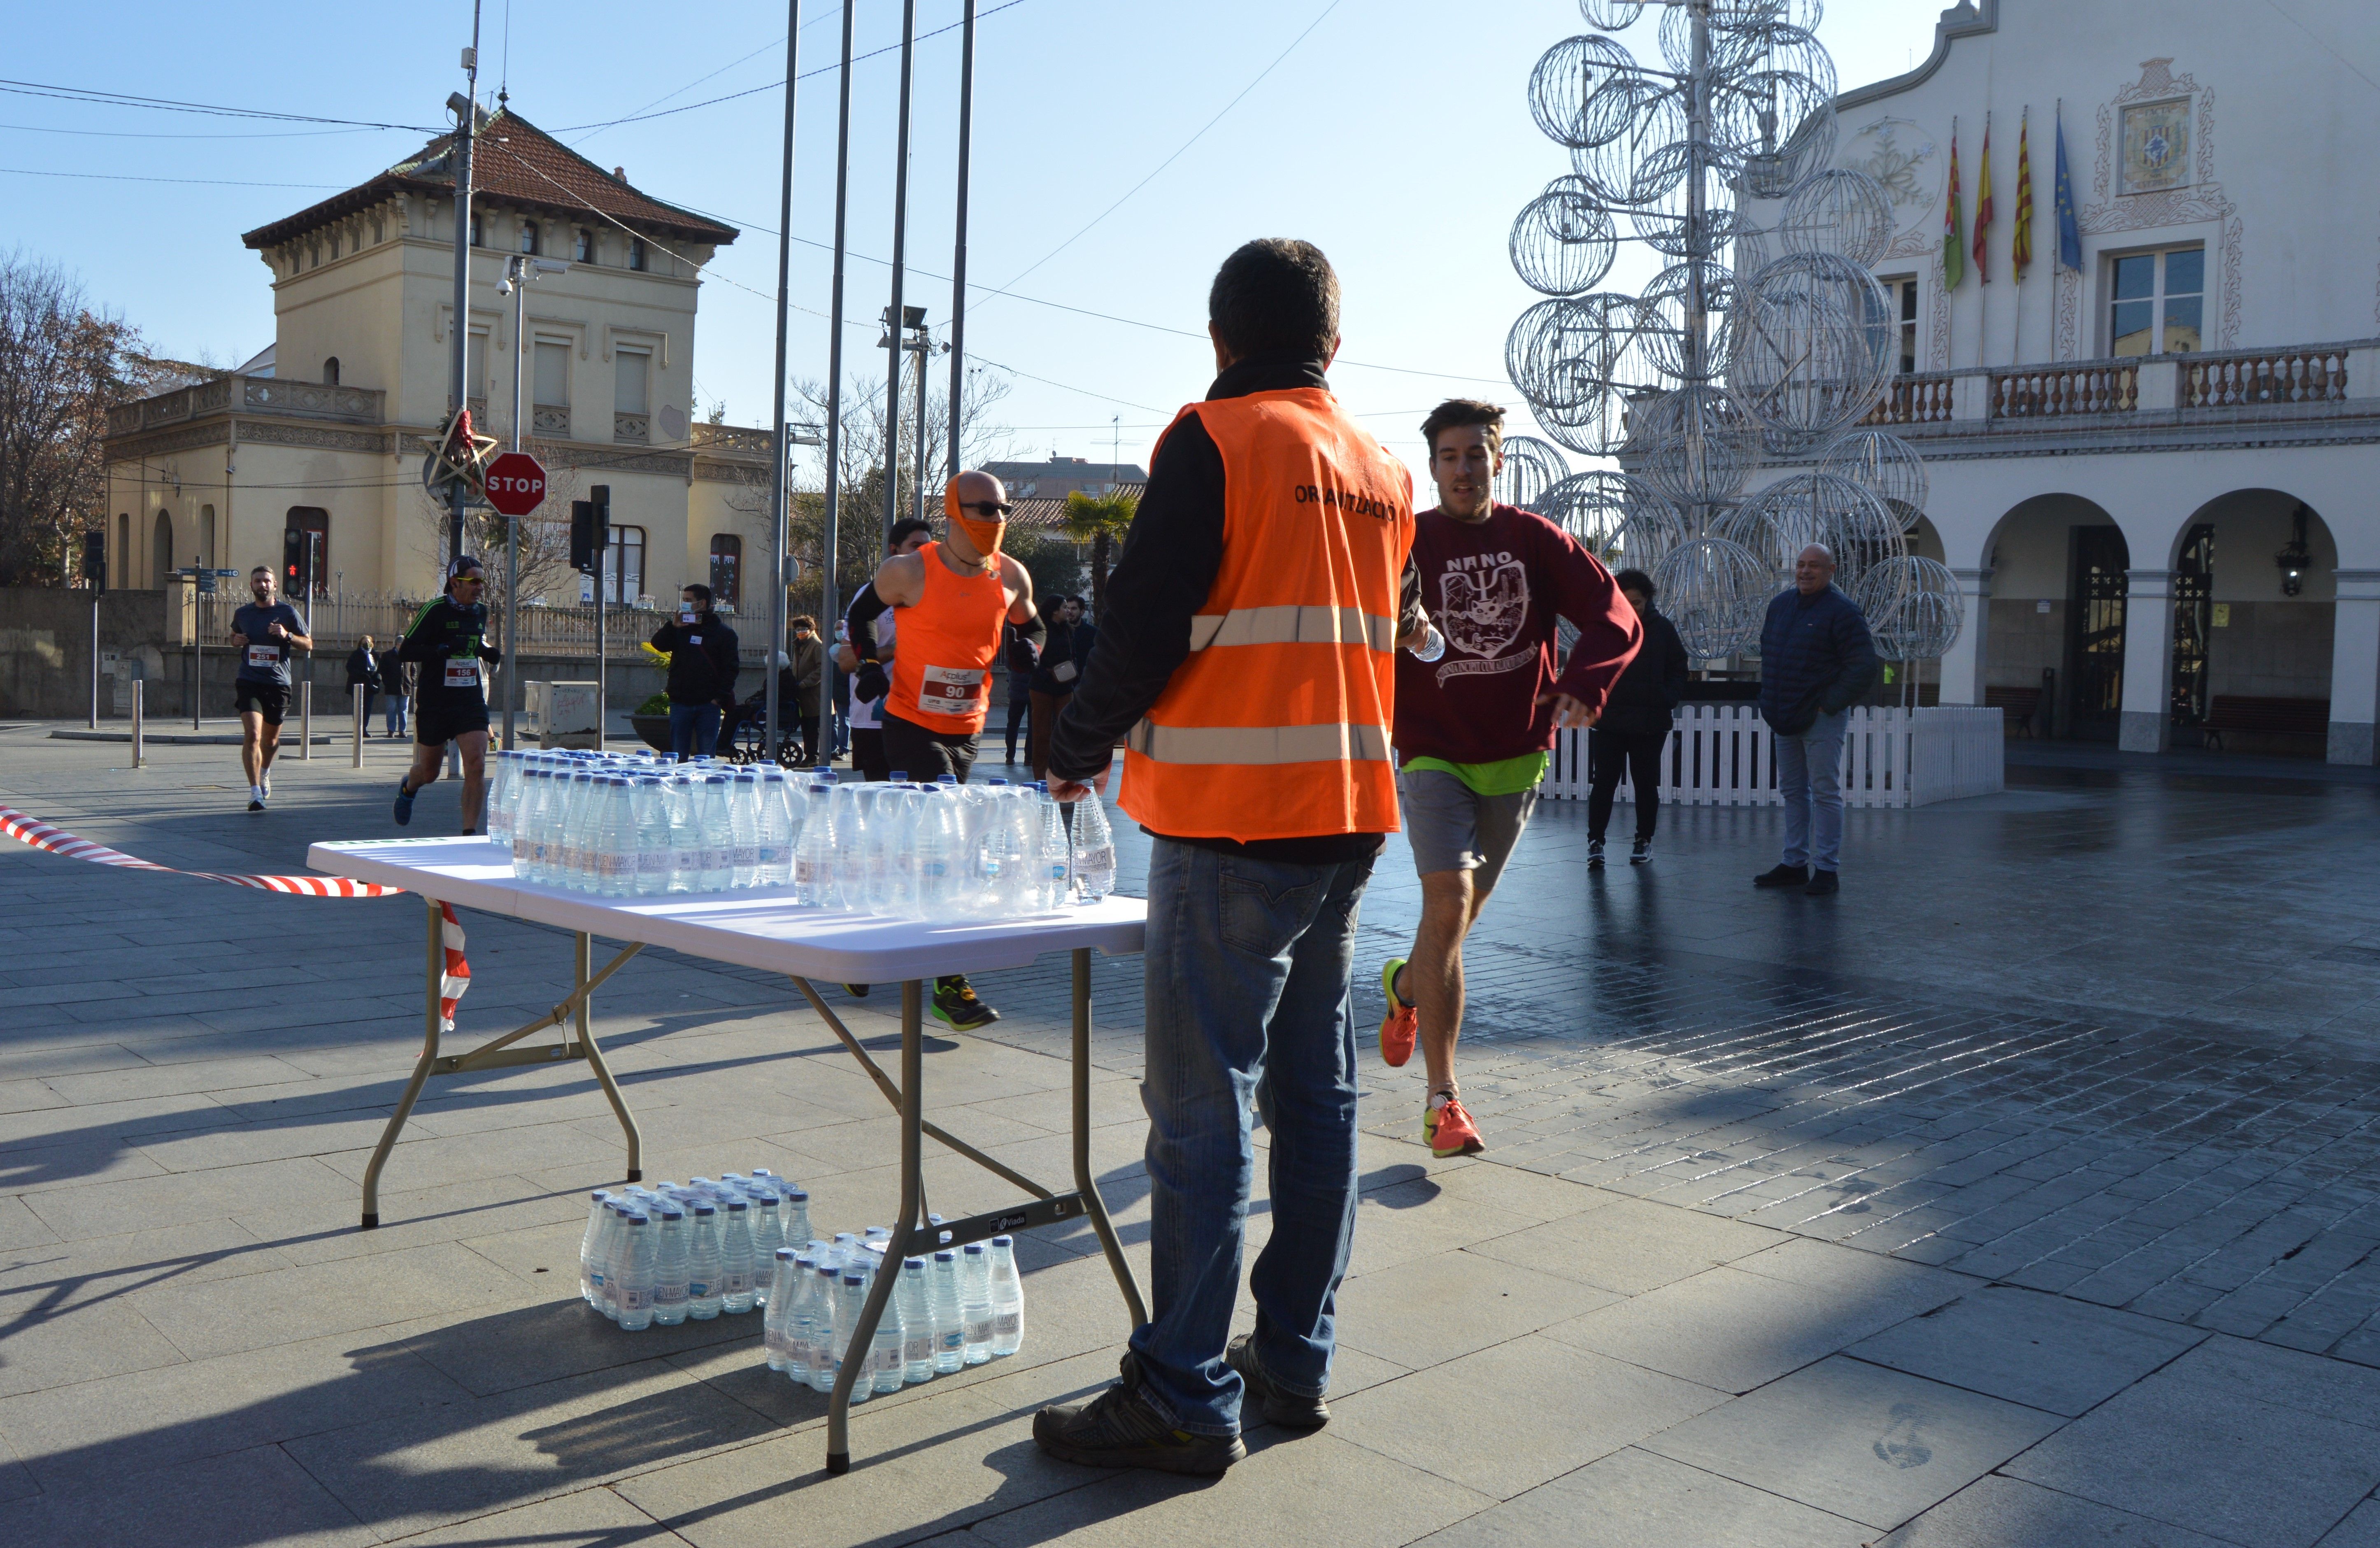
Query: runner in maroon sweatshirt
{"type": "Point", "coordinates": [1474, 727]}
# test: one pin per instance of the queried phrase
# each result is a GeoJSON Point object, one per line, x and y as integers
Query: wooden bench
{"type": "Point", "coordinates": [2017, 705]}
{"type": "Point", "coordinates": [2276, 717]}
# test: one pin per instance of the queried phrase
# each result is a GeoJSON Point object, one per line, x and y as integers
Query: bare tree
{"type": "Point", "coordinates": [63, 367]}
{"type": "Point", "coordinates": [545, 572]}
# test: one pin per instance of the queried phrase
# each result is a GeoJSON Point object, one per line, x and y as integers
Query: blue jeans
{"type": "Point", "coordinates": [1810, 773]}
{"type": "Point", "coordinates": [693, 730]}
{"type": "Point", "coordinates": [1246, 981]}
{"type": "Point", "coordinates": [396, 706]}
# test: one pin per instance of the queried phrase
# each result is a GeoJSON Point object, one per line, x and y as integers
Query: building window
{"type": "Point", "coordinates": [475, 232]}
{"type": "Point", "coordinates": [207, 536]}
{"type": "Point", "coordinates": [1902, 293]}
{"type": "Point", "coordinates": [123, 576]}
{"type": "Point", "coordinates": [552, 375]}
{"type": "Point", "coordinates": [378, 231]}
{"type": "Point", "coordinates": [623, 569]}
{"type": "Point", "coordinates": [161, 545]}
{"type": "Point", "coordinates": [2159, 300]}
{"type": "Point", "coordinates": [305, 522]}
{"type": "Point", "coordinates": [528, 237]}
{"type": "Point", "coordinates": [726, 566]}
{"type": "Point", "coordinates": [630, 395]}
{"type": "Point", "coordinates": [475, 369]}
{"type": "Point", "coordinates": [637, 253]}
{"type": "Point", "coordinates": [331, 371]}
{"type": "Point", "coordinates": [582, 245]}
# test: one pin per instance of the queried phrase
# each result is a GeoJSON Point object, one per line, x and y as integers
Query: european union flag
{"type": "Point", "coordinates": [2069, 235]}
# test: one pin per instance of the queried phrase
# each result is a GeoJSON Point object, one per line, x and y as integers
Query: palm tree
{"type": "Point", "coordinates": [1099, 520]}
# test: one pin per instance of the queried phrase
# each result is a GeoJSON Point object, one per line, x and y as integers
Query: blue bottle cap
{"type": "Point", "coordinates": [734, 1204]}
{"type": "Point", "coordinates": [1003, 1241]}
{"type": "Point", "coordinates": [635, 1218]}
{"type": "Point", "coordinates": [900, 776]}
{"type": "Point", "coordinates": [946, 779]}
{"type": "Point", "coordinates": [798, 1197]}
{"type": "Point", "coordinates": [852, 1280]}
{"type": "Point", "coordinates": [671, 1214]}
{"type": "Point", "coordinates": [975, 1250]}
{"type": "Point", "coordinates": [701, 1207]}
{"type": "Point", "coordinates": [1000, 782]}
{"type": "Point", "coordinates": [784, 1254]}
{"type": "Point", "coordinates": [917, 1263]}
{"type": "Point", "coordinates": [945, 1257]}
{"type": "Point", "coordinates": [601, 1196]}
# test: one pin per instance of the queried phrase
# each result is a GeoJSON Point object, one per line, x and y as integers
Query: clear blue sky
{"type": "Point", "coordinates": [1394, 133]}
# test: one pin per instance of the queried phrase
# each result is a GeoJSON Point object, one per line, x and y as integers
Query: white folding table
{"type": "Point", "coordinates": [763, 928]}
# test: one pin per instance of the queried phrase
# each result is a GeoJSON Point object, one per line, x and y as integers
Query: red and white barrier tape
{"type": "Point", "coordinates": [452, 984]}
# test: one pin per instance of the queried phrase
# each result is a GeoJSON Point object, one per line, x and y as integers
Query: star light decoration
{"type": "Point", "coordinates": [1765, 337]}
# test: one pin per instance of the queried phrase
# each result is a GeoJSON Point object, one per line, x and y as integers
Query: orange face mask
{"type": "Point", "coordinates": [985, 535]}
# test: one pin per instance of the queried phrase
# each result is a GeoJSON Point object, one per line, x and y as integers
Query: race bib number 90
{"type": "Point", "coordinates": [463, 673]}
{"type": "Point", "coordinates": [950, 690]}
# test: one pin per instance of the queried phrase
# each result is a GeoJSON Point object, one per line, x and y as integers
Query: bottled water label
{"type": "Point", "coordinates": [1007, 1325]}
{"type": "Point", "coordinates": [918, 1347]}
{"type": "Point", "coordinates": [696, 1289]}
{"type": "Point", "coordinates": [739, 1282]}
{"type": "Point", "coordinates": [670, 1294]}
{"type": "Point", "coordinates": [978, 1332]}
{"type": "Point", "coordinates": [955, 1340]}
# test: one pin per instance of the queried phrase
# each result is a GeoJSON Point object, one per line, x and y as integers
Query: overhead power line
{"type": "Point", "coordinates": [170, 105]}
{"type": "Point", "coordinates": [128, 177]}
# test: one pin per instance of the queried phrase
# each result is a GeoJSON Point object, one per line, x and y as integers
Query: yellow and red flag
{"type": "Point", "coordinates": [2021, 250]}
{"type": "Point", "coordinates": [1954, 239]}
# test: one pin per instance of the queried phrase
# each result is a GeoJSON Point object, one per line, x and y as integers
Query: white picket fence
{"type": "Point", "coordinates": [1721, 755]}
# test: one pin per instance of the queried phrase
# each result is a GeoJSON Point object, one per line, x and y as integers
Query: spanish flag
{"type": "Point", "coordinates": [1984, 206]}
{"type": "Point", "coordinates": [1954, 235]}
{"type": "Point", "coordinates": [2021, 250]}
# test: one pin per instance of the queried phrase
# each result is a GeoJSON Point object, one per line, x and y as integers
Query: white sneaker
{"type": "Point", "coordinates": [256, 798]}
{"type": "Point", "coordinates": [265, 788]}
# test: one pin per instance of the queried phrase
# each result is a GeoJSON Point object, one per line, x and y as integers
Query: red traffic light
{"type": "Point", "coordinates": [516, 483]}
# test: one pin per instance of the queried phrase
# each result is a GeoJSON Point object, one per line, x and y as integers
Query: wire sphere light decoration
{"type": "Point", "coordinates": [1566, 79]}
{"type": "Point", "coordinates": [1841, 212]}
{"type": "Point", "coordinates": [1812, 340]}
{"type": "Point", "coordinates": [1887, 465]}
{"type": "Point", "coordinates": [1715, 593]}
{"type": "Point", "coordinates": [1695, 446]}
{"type": "Point", "coordinates": [1914, 610]}
{"type": "Point", "coordinates": [1845, 519]}
{"type": "Point", "coordinates": [1531, 468]}
{"type": "Point", "coordinates": [1562, 241]}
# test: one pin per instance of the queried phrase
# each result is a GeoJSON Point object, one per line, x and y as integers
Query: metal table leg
{"type": "Point", "coordinates": [585, 994]}
{"type": "Point", "coordinates": [420, 1071]}
{"type": "Point", "coordinates": [1084, 1183]}
{"type": "Point", "coordinates": [855, 1352]}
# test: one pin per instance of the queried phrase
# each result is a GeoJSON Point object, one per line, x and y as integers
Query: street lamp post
{"type": "Point", "coordinates": [519, 271]}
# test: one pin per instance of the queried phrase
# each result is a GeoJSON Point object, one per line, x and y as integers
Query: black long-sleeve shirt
{"type": "Point", "coordinates": [1172, 554]}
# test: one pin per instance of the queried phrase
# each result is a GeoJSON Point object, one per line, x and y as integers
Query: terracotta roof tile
{"type": "Point", "coordinates": [515, 161]}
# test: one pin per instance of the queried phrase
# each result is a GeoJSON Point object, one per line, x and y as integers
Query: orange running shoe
{"type": "Point", "coordinates": [1402, 1024]}
{"type": "Point", "coordinates": [1449, 1131]}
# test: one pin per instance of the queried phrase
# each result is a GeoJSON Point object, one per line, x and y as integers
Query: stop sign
{"type": "Point", "coordinates": [516, 483]}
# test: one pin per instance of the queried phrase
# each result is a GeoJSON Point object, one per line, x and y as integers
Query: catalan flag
{"type": "Point", "coordinates": [1984, 207]}
{"type": "Point", "coordinates": [1954, 233]}
{"type": "Point", "coordinates": [2020, 248]}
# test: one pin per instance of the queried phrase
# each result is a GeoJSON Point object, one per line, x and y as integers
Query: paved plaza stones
{"type": "Point", "coordinates": [2023, 1194]}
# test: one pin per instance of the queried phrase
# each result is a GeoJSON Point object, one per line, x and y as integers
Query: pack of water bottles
{"type": "Point", "coordinates": [743, 1243]}
{"type": "Point", "coordinates": [637, 826]}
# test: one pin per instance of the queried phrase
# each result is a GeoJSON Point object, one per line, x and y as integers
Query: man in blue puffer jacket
{"type": "Point", "coordinates": [1816, 661]}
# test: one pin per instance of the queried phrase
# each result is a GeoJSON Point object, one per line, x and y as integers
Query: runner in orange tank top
{"type": "Point", "coordinates": [953, 596]}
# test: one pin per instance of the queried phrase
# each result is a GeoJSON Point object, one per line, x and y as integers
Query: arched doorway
{"type": "Point", "coordinates": [2254, 590]}
{"type": "Point", "coordinates": [2055, 642]}
{"type": "Point", "coordinates": [161, 551]}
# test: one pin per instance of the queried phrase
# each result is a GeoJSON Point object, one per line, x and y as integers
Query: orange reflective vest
{"type": "Point", "coordinates": [942, 663]}
{"type": "Point", "coordinates": [1277, 726]}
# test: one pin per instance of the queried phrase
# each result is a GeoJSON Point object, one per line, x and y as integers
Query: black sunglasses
{"type": "Point", "coordinates": [990, 507]}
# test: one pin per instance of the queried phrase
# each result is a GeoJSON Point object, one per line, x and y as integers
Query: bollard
{"type": "Point", "coordinates": [357, 694]}
{"type": "Point", "coordinates": [306, 720]}
{"type": "Point", "coordinates": [137, 686]}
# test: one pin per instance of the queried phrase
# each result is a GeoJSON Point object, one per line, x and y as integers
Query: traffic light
{"type": "Point", "coordinates": [295, 576]}
{"type": "Point", "coordinates": [94, 560]}
{"type": "Point", "coordinates": [590, 528]}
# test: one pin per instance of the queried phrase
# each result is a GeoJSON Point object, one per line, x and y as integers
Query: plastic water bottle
{"type": "Point", "coordinates": [1007, 1298]}
{"type": "Point", "coordinates": [814, 858]}
{"type": "Point", "coordinates": [773, 1325]}
{"type": "Point", "coordinates": [798, 1216]}
{"type": "Point", "coordinates": [685, 833]}
{"type": "Point", "coordinates": [917, 1322]}
{"type": "Point", "coordinates": [892, 1339]}
{"type": "Point", "coordinates": [703, 1266]}
{"type": "Point", "coordinates": [718, 840]}
{"type": "Point", "coordinates": [1432, 646]}
{"type": "Point", "coordinates": [826, 1289]}
{"type": "Point", "coordinates": [743, 832]}
{"type": "Point", "coordinates": [1094, 850]}
{"type": "Point", "coordinates": [736, 1252]}
{"type": "Point", "coordinates": [849, 1302]}
{"type": "Point", "coordinates": [636, 1278]}
{"type": "Point", "coordinates": [590, 1272]}
{"type": "Point", "coordinates": [942, 1298]}
{"type": "Point", "coordinates": [607, 1260]}
{"type": "Point", "coordinates": [768, 1235]}
{"type": "Point", "coordinates": [502, 770]}
{"type": "Point", "coordinates": [974, 1302]}
{"type": "Point", "coordinates": [651, 809]}
{"type": "Point", "coordinates": [799, 1322]}
{"type": "Point", "coordinates": [669, 1269]}
{"type": "Point", "coordinates": [1057, 862]}
{"type": "Point", "coordinates": [617, 843]}
{"type": "Point", "coordinates": [848, 1251]}
{"type": "Point", "coordinates": [941, 872]}
{"type": "Point", "coordinates": [890, 872]}
{"type": "Point", "coordinates": [524, 843]}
